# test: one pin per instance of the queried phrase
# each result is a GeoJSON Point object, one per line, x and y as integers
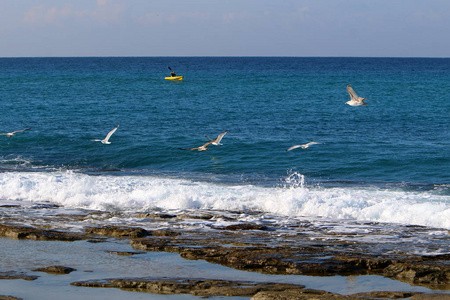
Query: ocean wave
{"type": "Point", "coordinates": [292, 199]}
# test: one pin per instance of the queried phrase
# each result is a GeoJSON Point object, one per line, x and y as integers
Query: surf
{"type": "Point", "coordinates": [292, 198]}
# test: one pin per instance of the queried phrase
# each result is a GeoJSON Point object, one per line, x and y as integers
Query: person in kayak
{"type": "Point", "coordinates": [173, 74]}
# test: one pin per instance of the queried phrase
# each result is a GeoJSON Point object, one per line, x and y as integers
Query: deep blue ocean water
{"type": "Point", "coordinates": [399, 141]}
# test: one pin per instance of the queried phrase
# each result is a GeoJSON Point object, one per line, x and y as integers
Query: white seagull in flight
{"type": "Point", "coordinates": [201, 148]}
{"type": "Point", "coordinates": [204, 147]}
{"type": "Point", "coordinates": [355, 100]}
{"type": "Point", "coordinates": [10, 134]}
{"type": "Point", "coordinates": [304, 146]}
{"type": "Point", "coordinates": [106, 139]}
{"type": "Point", "coordinates": [216, 141]}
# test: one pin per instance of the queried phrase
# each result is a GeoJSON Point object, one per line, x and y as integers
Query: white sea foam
{"type": "Point", "coordinates": [146, 193]}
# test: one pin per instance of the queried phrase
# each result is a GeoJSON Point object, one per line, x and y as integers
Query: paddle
{"type": "Point", "coordinates": [173, 73]}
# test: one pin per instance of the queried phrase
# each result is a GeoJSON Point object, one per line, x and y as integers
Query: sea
{"type": "Point", "coordinates": [386, 164]}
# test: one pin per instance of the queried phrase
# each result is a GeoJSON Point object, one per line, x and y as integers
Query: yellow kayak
{"type": "Point", "coordinates": [174, 78]}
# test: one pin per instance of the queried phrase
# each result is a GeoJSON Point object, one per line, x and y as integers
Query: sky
{"type": "Point", "coordinates": [356, 28]}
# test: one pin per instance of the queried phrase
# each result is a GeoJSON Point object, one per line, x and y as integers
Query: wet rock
{"type": "Point", "coordinates": [430, 297]}
{"type": "Point", "coordinates": [417, 272]}
{"type": "Point", "coordinates": [196, 287]}
{"type": "Point", "coordinates": [165, 232]}
{"type": "Point", "coordinates": [325, 259]}
{"type": "Point", "coordinates": [117, 231]}
{"type": "Point", "coordinates": [385, 295]}
{"type": "Point", "coordinates": [246, 226]}
{"type": "Point", "coordinates": [23, 232]}
{"type": "Point", "coordinates": [125, 253]}
{"type": "Point", "coordinates": [9, 298]}
{"type": "Point", "coordinates": [156, 216]}
{"type": "Point", "coordinates": [55, 270]}
{"type": "Point", "coordinates": [290, 294]}
{"type": "Point", "coordinates": [17, 275]}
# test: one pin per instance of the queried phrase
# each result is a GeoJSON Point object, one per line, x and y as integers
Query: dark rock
{"type": "Point", "coordinates": [196, 287]}
{"type": "Point", "coordinates": [165, 232]}
{"type": "Point", "coordinates": [55, 270]}
{"type": "Point", "coordinates": [125, 253]}
{"type": "Point", "coordinates": [16, 275]}
{"type": "Point", "coordinates": [417, 272]}
{"type": "Point", "coordinates": [315, 259]}
{"type": "Point", "coordinates": [156, 216]}
{"type": "Point", "coordinates": [432, 296]}
{"type": "Point", "coordinates": [290, 294]}
{"type": "Point", "coordinates": [23, 232]}
{"type": "Point", "coordinates": [117, 231]}
{"type": "Point", "coordinates": [9, 298]}
{"type": "Point", "coordinates": [246, 226]}
{"type": "Point", "coordinates": [385, 295]}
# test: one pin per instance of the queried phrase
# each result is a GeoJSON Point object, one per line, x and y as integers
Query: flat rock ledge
{"type": "Point", "coordinates": [37, 234]}
{"type": "Point", "coordinates": [56, 270]}
{"type": "Point", "coordinates": [195, 287]}
{"type": "Point", "coordinates": [258, 291]}
{"type": "Point", "coordinates": [17, 275]}
{"type": "Point", "coordinates": [313, 260]}
{"type": "Point", "coordinates": [255, 250]}
{"type": "Point", "coordinates": [3, 297]}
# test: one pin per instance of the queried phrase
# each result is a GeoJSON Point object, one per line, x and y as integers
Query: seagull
{"type": "Point", "coordinates": [10, 134]}
{"type": "Point", "coordinates": [106, 139]}
{"type": "Point", "coordinates": [355, 100]}
{"type": "Point", "coordinates": [304, 146]}
{"type": "Point", "coordinates": [201, 148]}
{"type": "Point", "coordinates": [216, 141]}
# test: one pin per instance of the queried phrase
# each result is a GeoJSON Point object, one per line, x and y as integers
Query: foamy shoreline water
{"type": "Point", "coordinates": [294, 199]}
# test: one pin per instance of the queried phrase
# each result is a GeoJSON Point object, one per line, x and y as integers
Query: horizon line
{"type": "Point", "coordinates": [222, 56]}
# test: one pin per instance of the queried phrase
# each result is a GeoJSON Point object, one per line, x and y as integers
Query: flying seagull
{"type": "Point", "coordinates": [106, 139]}
{"type": "Point", "coordinates": [304, 146]}
{"type": "Point", "coordinates": [355, 100]}
{"type": "Point", "coordinates": [201, 148]}
{"type": "Point", "coordinates": [10, 134]}
{"type": "Point", "coordinates": [204, 147]}
{"type": "Point", "coordinates": [216, 141]}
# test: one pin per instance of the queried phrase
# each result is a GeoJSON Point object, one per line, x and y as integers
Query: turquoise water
{"type": "Point", "coordinates": [399, 142]}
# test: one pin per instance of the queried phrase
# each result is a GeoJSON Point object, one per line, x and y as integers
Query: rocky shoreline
{"type": "Point", "coordinates": [252, 248]}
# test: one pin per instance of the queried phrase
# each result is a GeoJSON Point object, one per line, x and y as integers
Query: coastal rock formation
{"type": "Point", "coordinates": [124, 253]}
{"type": "Point", "coordinates": [17, 275]}
{"type": "Point", "coordinates": [55, 270]}
{"type": "Point", "coordinates": [117, 231]}
{"type": "Point", "coordinates": [31, 233]}
{"type": "Point", "coordinates": [195, 287]}
{"type": "Point", "coordinates": [9, 298]}
{"type": "Point", "coordinates": [256, 249]}
{"type": "Point", "coordinates": [326, 259]}
{"type": "Point", "coordinates": [226, 288]}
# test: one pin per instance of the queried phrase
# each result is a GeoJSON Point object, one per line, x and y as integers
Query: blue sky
{"type": "Point", "coordinates": [394, 28]}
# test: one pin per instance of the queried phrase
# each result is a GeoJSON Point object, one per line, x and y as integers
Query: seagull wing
{"type": "Point", "coordinates": [220, 136]}
{"type": "Point", "coordinates": [21, 130]}
{"type": "Point", "coordinates": [206, 144]}
{"type": "Point", "coordinates": [111, 133]}
{"type": "Point", "coordinates": [294, 147]}
{"type": "Point", "coordinates": [310, 143]}
{"type": "Point", "coordinates": [352, 93]}
{"type": "Point", "coordinates": [198, 148]}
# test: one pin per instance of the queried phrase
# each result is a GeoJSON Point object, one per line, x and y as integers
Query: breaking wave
{"type": "Point", "coordinates": [291, 199]}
